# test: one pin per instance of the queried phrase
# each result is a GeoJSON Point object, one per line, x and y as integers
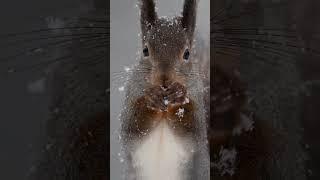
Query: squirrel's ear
{"type": "Point", "coordinates": [148, 14]}
{"type": "Point", "coordinates": [189, 14]}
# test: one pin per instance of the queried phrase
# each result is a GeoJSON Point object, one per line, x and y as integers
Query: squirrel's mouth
{"type": "Point", "coordinates": [161, 97]}
{"type": "Point", "coordinates": [170, 104]}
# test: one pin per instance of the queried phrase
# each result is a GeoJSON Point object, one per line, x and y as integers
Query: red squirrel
{"type": "Point", "coordinates": [164, 118]}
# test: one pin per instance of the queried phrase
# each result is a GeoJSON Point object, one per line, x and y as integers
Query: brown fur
{"type": "Point", "coordinates": [150, 110]}
{"type": "Point", "coordinates": [166, 74]}
{"type": "Point", "coordinates": [163, 82]}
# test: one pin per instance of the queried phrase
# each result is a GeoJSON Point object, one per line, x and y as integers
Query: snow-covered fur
{"type": "Point", "coordinates": [166, 148]}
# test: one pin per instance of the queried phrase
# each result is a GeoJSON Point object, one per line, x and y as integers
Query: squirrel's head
{"type": "Point", "coordinates": [167, 42]}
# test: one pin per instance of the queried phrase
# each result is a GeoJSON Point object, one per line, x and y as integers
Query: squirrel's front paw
{"type": "Point", "coordinates": [176, 93]}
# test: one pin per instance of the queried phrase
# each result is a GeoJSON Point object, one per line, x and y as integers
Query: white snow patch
{"type": "Point", "coordinates": [166, 101]}
{"type": "Point", "coordinates": [186, 100]}
{"type": "Point", "coordinates": [180, 112]}
{"type": "Point", "coordinates": [127, 69]}
{"type": "Point", "coordinates": [121, 89]}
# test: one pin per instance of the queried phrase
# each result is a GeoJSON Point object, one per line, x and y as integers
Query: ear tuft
{"type": "Point", "coordinates": [189, 15]}
{"type": "Point", "coordinates": [148, 14]}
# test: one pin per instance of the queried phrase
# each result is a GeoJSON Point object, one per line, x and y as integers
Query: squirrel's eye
{"type": "Point", "coordinates": [186, 55]}
{"type": "Point", "coordinates": [146, 51]}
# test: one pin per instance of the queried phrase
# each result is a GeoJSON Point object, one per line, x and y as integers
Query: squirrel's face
{"type": "Point", "coordinates": [167, 43]}
{"type": "Point", "coordinates": [167, 47]}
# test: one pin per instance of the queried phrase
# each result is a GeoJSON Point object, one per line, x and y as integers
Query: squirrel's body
{"type": "Point", "coordinates": [163, 121]}
{"type": "Point", "coordinates": [162, 154]}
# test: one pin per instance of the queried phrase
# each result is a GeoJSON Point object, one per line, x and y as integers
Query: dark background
{"type": "Point", "coordinates": [25, 96]}
{"type": "Point", "coordinates": [283, 84]}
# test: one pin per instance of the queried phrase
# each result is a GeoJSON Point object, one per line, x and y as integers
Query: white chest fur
{"type": "Point", "coordinates": [162, 155]}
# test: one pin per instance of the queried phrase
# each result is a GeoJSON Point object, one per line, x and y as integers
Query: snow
{"type": "Point", "coordinates": [180, 112]}
{"type": "Point", "coordinates": [121, 89]}
{"type": "Point", "coordinates": [186, 100]}
{"type": "Point", "coordinates": [165, 101]}
{"type": "Point", "coordinates": [127, 69]}
{"type": "Point", "coordinates": [226, 162]}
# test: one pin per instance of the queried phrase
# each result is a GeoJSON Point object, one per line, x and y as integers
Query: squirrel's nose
{"type": "Point", "coordinates": [165, 81]}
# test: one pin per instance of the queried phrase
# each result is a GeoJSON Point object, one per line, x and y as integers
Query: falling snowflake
{"type": "Point", "coordinates": [121, 88]}
{"type": "Point", "coordinates": [127, 69]}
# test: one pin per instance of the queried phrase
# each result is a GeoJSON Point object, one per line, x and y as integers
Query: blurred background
{"type": "Point", "coordinates": [274, 44]}
{"type": "Point", "coordinates": [25, 96]}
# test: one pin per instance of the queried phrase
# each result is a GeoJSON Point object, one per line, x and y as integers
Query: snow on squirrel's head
{"type": "Point", "coordinates": [167, 42]}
